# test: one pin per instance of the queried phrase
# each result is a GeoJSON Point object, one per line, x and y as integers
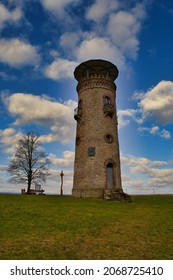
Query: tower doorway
{"type": "Point", "coordinates": [109, 175]}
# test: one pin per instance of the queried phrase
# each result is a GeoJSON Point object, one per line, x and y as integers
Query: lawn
{"type": "Point", "coordinates": [54, 227]}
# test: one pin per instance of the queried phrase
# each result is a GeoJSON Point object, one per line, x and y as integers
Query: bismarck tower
{"type": "Point", "coordinates": [97, 171]}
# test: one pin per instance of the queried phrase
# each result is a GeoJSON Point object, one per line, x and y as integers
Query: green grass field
{"type": "Point", "coordinates": [54, 227]}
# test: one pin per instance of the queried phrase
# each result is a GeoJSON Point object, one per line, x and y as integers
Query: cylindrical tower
{"type": "Point", "coordinates": [97, 159]}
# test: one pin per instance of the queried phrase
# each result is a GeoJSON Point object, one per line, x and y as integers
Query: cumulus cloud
{"type": "Point", "coordinates": [9, 138]}
{"type": "Point", "coordinates": [60, 68]}
{"type": "Point", "coordinates": [114, 36]}
{"type": "Point", "coordinates": [142, 162]}
{"type": "Point", "coordinates": [133, 185]}
{"type": "Point", "coordinates": [66, 161]}
{"type": "Point", "coordinates": [122, 25]}
{"type": "Point", "coordinates": [57, 7]}
{"type": "Point", "coordinates": [90, 48]}
{"type": "Point", "coordinates": [7, 16]}
{"type": "Point", "coordinates": [156, 173]}
{"type": "Point", "coordinates": [17, 53]}
{"type": "Point", "coordinates": [28, 108]}
{"type": "Point", "coordinates": [153, 105]}
{"type": "Point", "coordinates": [69, 40]}
{"type": "Point", "coordinates": [100, 9]}
{"type": "Point", "coordinates": [155, 130]}
{"type": "Point", "coordinates": [123, 28]}
{"type": "Point", "coordinates": [165, 134]}
{"type": "Point", "coordinates": [125, 116]}
{"type": "Point", "coordinates": [99, 48]}
{"type": "Point", "coordinates": [157, 102]}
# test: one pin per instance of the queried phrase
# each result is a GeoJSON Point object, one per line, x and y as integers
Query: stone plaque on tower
{"type": "Point", "coordinates": [97, 171]}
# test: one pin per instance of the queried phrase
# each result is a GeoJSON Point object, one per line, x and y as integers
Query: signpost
{"type": "Point", "coordinates": [61, 175]}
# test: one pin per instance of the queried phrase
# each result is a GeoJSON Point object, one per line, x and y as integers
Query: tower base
{"type": "Point", "coordinates": [107, 194]}
{"type": "Point", "coordinates": [88, 192]}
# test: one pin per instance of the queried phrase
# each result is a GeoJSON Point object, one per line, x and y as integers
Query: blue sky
{"type": "Point", "coordinates": [41, 43]}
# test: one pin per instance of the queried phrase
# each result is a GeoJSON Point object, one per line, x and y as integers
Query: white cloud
{"type": "Point", "coordinates": [90, 48]}
{"type": "Point", "coordinates": [57, 7]}
{"type": "Point", "coordinates": [151, 173]}
{"type": "Point", "coordinates": [60, 68]}
{"type": "Point", "coordinates": [9, 138]}
{"type": "Point", "coordinates": [62, 12]}
{"type": "Point", "coordinates": [54, 53]}
{"type": "Point", "coordinates": [165, 134]}
{"type": "Point", "coordinates": [135, 185]}
{"type": "Point", "coordinates": [114, 36]}
{"type": "Point", "coordinates": [17, 53]}
{"type": "Point", "coordinates": [36, 109]}
{"type": "Point", "coordinates": [120, 24]}
{"type": "Point", "coordinates": [100, 9]}
{"type": "Point", "coordinates": [7, 16]}
{"type": "Point", "coordinates": [125, 116]}
{"type": "Point", "coordinates": [157, 103]}
{"type": "Point", "coordinates": [123, 27]}
{"type": "Point", "coordinates": [31, 108]}
{"type": "Point", "coordinates": [141, 162]}
{"type": "Point", "coordinates": [69, 40]}
{"type": "Point", "coordinates": [155, 130]}
{"type": "Point", "coordinates": [138, 95]}
{"type": "Point", "coordinates": [99, 48]}
{"type": "Point", "coordinates": [66, 161]}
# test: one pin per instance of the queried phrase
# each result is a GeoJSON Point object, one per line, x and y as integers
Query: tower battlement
{"type": "Point", "coordinates": [96, 68]}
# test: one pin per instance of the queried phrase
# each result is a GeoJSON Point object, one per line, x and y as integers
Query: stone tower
{"type": "Point", "coordinates": [97, 161]}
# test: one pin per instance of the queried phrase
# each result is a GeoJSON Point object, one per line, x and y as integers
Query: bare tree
{"type": "Point", "coordinates": [29, 163]}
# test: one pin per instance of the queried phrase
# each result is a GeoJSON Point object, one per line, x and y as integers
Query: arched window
{"type": "Point", "coordinates": [108, 106]}
{"type": "Point", "coordinates": [109, 175]}
{"type": "Point", "coordinates": [107, 101]}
